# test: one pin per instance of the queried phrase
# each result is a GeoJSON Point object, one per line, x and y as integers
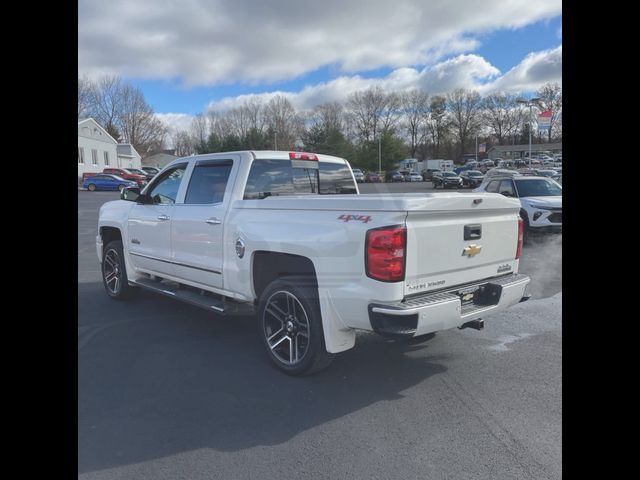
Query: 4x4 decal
{"type": "Point", "coordinates": [361, 218]}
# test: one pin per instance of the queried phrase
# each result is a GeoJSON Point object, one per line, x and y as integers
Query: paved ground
{"type": "Point", "coordinates": [169, 391]}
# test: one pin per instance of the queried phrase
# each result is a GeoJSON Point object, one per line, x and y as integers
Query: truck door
{"type": "Point", "coordinates": [149, 226]}
{"type": "Point", "coordinates": [198, 222]}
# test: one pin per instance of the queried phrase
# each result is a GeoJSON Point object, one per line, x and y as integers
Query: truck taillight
{"type": "Point", "coordinates": [520, 237]}
{"type": "Point", "coordinates": [302, 156]}
{"type": "Point", "coordinates": [385, 253]}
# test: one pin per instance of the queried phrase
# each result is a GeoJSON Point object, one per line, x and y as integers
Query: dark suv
{"type": "Point", "coordinates": [446, 180]}
{"type": "Point", "coordinates": [394, 177]}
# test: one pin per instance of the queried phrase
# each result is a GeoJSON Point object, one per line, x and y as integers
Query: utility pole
{"type": "Point", "coordinates": [275, 139]}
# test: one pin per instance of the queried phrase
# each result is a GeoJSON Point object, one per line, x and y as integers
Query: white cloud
{"type": "Point", "coordinates": [207, 42]}
{"type": "Point", "coordinates": [463, 71]}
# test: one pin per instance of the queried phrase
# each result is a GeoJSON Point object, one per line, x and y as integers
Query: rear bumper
{"type": "Point", "coordinates": [443, 310]}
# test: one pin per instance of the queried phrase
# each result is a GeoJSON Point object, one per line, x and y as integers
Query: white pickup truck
{"type": "Point", "coordinates": [287, 235]}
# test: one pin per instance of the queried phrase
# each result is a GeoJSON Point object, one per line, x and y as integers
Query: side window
{"type": "Point", "coordinates": [208, 182]}
{"type": "Point", "coordinates": [267, 178]}
{"type": "Point", "coordinates": [165, 190]}
{"type": "Point", "coordinates": [493, 186]}
{"type": "Point", "coordinates": [335, 178]}
{"type": "Point", "coordinates": [506, 188]}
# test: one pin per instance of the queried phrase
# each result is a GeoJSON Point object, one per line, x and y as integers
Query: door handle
{"type": "Point", "coordinates": [163, 217]}
{"type": "Point", "coordinates": [213, 221]}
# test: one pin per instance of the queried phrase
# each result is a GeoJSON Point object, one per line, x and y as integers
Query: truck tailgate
{"type": "Point", "coordinates": [438, 255]}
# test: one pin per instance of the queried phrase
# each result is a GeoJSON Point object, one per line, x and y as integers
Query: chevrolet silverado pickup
{"type": "Point", "coordinates": [288, 237]}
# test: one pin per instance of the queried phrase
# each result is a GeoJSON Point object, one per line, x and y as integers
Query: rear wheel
{"type": "Point", "coordinates": [120, 187]}
{"type": "Point", "coordinates": [291, 326]}
{"type": "Point", "coordinates": [91, 187]}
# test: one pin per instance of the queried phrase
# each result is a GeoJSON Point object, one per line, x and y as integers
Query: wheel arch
{"type": "Point", "coordinates": [268, 266]}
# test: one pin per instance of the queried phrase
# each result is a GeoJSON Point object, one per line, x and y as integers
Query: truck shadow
{"type": "Point", "coordinates": [157, 377]}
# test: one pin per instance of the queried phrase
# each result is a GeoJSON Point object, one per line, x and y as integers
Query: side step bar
{"type": "Point", "coordinates": [172, 290]}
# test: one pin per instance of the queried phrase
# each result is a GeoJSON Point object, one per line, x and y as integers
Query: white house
{"type": "Point", "coordinates": [128, 157]}
{"type": "Point", "coordinates": [96, 148]}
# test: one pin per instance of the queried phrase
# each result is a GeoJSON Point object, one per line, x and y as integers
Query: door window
{"type": "Point", "coordinates": [506, 188]}
{"type": "Point", "coordinates": [165, 190]}
{"type": "Point", "coordinates": [208, 182]}
{"type": "Point", "coordinates": [493, 186]}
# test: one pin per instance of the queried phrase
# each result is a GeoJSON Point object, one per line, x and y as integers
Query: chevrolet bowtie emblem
{"type": "Point", "coordinates": [472, 250]}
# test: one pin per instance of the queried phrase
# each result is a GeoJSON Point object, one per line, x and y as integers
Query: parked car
{"type": "Point", "coordinates": [394, 176]}
{"type": "Point", "coordinates": [559, 180]}
{"type": "Point", "coordinates": [520, 163]}
{"type": "Point", "coordinates": [527, 171]}
{"type": "Point", "coordinates": [372, 177]}
{"type": "Point", "coordinates": [103, 181]}
{"type": "Point", "coordinates": [547, 173]}
{"type": "Point", "coordinates": [428, 173]}
{"type": "Point", "coordinates": [446, 180]}
{"type": "Point", "coordinates": [137, 171]}
{"type": "Point", "coordinates": [151, 170]}
{"type": "Point", "coordinates": [501, 171]}
{"type": "Point", "coordinates": [358, 175]}
{"type": "Point", "coordinates": [472, 178]}
{"type": "Point", "coordinates": [140, 179]}
{"type": "Point", "coordinates": [415, 177]}
{"type": "Point", "coordinates": [313, 269]}
{"type": "Point", "coordinates": [540, 199]}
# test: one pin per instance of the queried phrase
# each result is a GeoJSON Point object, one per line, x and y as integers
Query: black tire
{"type": "Point", "coordinates": [120, 188]}
{"type": "Point", "coordinates": [91, 187]}
{"type": "Point", "coordinates": [113, 267]}
{"type": "Point", "coordinates": [284, 323]}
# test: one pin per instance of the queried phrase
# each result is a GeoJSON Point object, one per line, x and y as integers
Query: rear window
{"type": "Point", "coordinates": [278, 177]}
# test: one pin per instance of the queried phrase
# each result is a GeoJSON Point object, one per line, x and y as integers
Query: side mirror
{"type": "Point", "coordinates": [130, 193]}
{"type": "Point", "coordinates": [144, 199]}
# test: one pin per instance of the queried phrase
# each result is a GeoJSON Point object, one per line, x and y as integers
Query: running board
{"type": "Point", "coordinates": [173, 290]}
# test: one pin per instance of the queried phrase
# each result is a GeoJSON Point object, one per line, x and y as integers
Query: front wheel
{"type": "Point", "coordinates": [91, 187]}
{"type": "Point", "coordinates": [291, 326]}
{"type": "Point", "coordinates": [114, 273]}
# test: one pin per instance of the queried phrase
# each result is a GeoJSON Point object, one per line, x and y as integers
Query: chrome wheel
{"type": "Point", "coordinates": [112, 272]}
{"type": "Point", "coordinates": [285, 326]}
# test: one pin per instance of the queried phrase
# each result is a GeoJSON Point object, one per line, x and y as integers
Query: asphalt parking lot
{"type": "Point", "coordinates": [169, 391]}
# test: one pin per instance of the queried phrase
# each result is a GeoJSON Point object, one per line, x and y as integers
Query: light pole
{"type": "Point", "coordinates": [379, 154]}
{"type": "Point", "coordinates": [529, 102]}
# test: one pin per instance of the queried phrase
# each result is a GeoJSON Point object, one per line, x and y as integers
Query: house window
{"type": "Point", "coordinates": [94, 156]}
{"type": "Point", "coordinates": [81, 155]}
{"type": "Point", "coordinates": [106, 158]}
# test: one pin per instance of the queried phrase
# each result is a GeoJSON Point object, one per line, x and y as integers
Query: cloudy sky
{"type": "Point", "coordinates": [192, 55]}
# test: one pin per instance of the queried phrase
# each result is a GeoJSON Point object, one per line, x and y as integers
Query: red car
{"type": "Point", "coordinates": [372, 177]}
{"type": "Point", "coordinates": [141, 180]}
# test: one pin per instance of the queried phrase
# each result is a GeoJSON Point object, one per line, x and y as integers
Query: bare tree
{"type": "Point", "coordinates": [140, 127]}
{"type": "Point", "coordinates": [85, 96]}
{"type": "Point", "coordinates": [414, 106]}
{"type": "Point", "coordinates": [283, 121]}
{"type": "Point", "coordinates": [106, 103]}
{"type": "Point", "coordinates": [438, 123]}
{"type": "Point", "coordinates": [501, 115]}
{"type": "Point", "coordinates": [550, 96]}
{"type": "Point", "coordinates": [329, 115]}
{"type": "Point", "coordinates": [464, 107]}
{"type": "Point", "coordinates": [373, 112]}
{"type": "Point", "coordinates": [183, 143]}
{"type": "Point", "coordinates": [198, 132]}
